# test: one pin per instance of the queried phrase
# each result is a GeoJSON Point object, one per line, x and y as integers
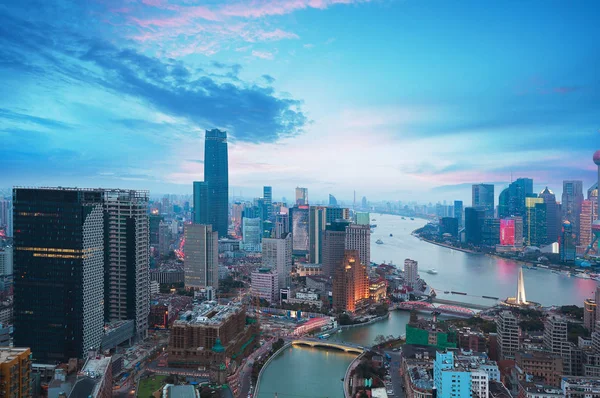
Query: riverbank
{"type": "Point", "coordinates": [266, 364]}
{"type": "Point", "coordinates": [346, 382]}
{"type": "Point", "coordinates": [460, 249]}
{"type": "Point", "coordinates": [377, 319]}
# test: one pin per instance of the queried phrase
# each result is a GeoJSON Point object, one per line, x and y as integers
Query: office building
{"type": "Point", "coordinates": [534, 223]}
{"type": "Point", "coordinates": [264, 284]}
{"type": "Point", "coordinates": [127, 258]}
{"type": "Point", "coordinates": [277, 255]}
{"type": "Point", "coordinates": [333, 214]}
{"type": "Point", "coordinates": [316, 225]}
{"type": "Point", "coordinates": [589, 213]}
{"type": "Point", "coordinates": [301, 196]}
{"type": "Point", "coordinates": [449, 225]}
{"type": "Point", "coordinates": [411, 273]}
{"type": "Point", "coordinates": [363, 218]}
{"type": "Point", "coordinates": [572, 198]}
{"type": "Point", "coordinates": [6, 267]}
{"type": "Point", "coordinates": [567, 247]}
{"type": "Point", "coordinates": [154, 221]}
{"type": "Point", "coordinates": [458, 212]}
{"type": "Point", "coordinates": [334, 245]}
{"type": "Point", "coordinates": [364, 204]}
{"type": "Point", "coordinates": [268, 198]}
{"type": "Point", "coordinates": [201, 257]}
{"type": "Point", "coordinates": [512, 199]}
{"type": "Point", "coordinates": [59, 271]}
{"type": "Point", "coordinates": [15, 372]}
{"type": "Point", "coordinates": [552, 215]}
{"type": "Point", "coordinates": [350, 283]}
{"type": "Point", "coordinates": [282, 224]}
{"type": "Point", "coordinates": [251, 234]}
{"type": "Point", "coordinates": [200, 202]}
{"type": "Point", "coordinates": [332, 201]}
{"type": "Point", "coordinates": [507, 328]}
{"type": "Point", "coordinates": [300, 229]}
{"type": "Point", "coordinates": [483, 198]}
{"type": "Point", "coordinates": [216, 176]}
{"type": "Point", "coordinates": [474, 225]}
{"type": "Point", "coordinates": [545, 365]}
{"type": "Point", "coordinates": [590, 310]}
{"type": "Point", "coordinates": [490, 235]}
{"type": "Point", "coordinates": [450, 380]}
{"type": "Point", "coordinates": [164, 238]}
{"type": "Point", "coordinates": [6, 217]}
{"type": "Point", "coordinates": [358, 237]}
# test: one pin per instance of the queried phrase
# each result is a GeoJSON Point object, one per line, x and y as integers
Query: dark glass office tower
{"type": "Point", "coordinates": [268, 197]}
{"type": "Point", "coordinates": [58, 269]}
{"type": "Point", "coordinates": [216, 176]}
{"type": "Point", "coordinates": [200, 202]}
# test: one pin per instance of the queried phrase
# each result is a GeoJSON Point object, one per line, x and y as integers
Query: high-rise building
{"type": "Point", "coordinates": [164, 238]}
{"type": "Point", "coordinates": [201, 257]}
{"type": "Point", "coordinates": [6, 217]}
{"type": "Point", "coordinates": [6, 267]}
{"type": "Point", "coordinates": [450, 380]}
{"type": "Point", "coordinates": [503, 203]}
{"type": "Point", "coordinates": [572, 198]}
{"type": "Point", "coordinates": [251, 234]}
{"type": "Point", "coordinates": [507, 328]}
{"type": "Point", "coordinates": [411, 273]}
{"type": "Point", "coordinates": [490, 235]}
{"type": "Point", "coordinates": [282, 224]}
{"type": "Point", "coordinates": [277, 255]}
{"type": "Point", "coordinates": [59, 271]}
{"type": "Point", "coordinates": [483, 197]}
{"type": "Point", "coordinates": [474, 225]}
{"type": "Point", "coordinates": [449, 225]}
{"type": "Point", "coordinates": [265, 284]}
{"type": "Point", "coordinates": [589, 212]}
{"type": "Point", "coordinates": [358, 237]}
{"type": "Point", "coordinates": [301, 196]}
{"type": "Point", "coordinates": [590, 310]}
{"type": "Point", "coordinates": [458, 212]}
{"type": "Point", "coordinates": [364, 204]}
{"type": "Point", "coordinates": [332, 200]}
{"type": "Point", "coordinates": [350, 283]}
{"type": "Point", "coordinates": [567, 247]}
{"type": "Point", "coordinates": [316, 227]}
{"type": "Point", "coordinates": [300, 227]}
{"type": "Point", "coordinates": [334, 245]}
{"type": "Point", "coordinates": [507, 232]}
{"type": "Point", "coordinates": [362, 218]}
{"type": "Point", "coordinates": [127, 258]}
{"type": "Point", "coordinates": [552, 215]}
{"type": "Point", "coordinates": [216, 176]}
{"type": "Point", "coordinates": [15, 372]}
{"type": "Point", "coordinates": [535, 222]}
{"type": "Point", "coordinates": [154, 224]}
{"type": "Point", "coordinates": [268, 197]}
{"type": "Point", "coordinates": [333, 214]}
{"type": "Point", "coordinates": [200, 200]}
{"type": "Point", "coordinates": [512, 199]}
{"type": "Point", "coordinates": [555, 339]}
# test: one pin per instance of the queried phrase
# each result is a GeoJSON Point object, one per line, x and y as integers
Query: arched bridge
{"type": "Point", "coordinates": [346, 347]}
{"type": "Point", "coordinates": [443, 309]}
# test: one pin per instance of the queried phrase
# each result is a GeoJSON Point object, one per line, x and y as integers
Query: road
{"type": "Point", "coordinates": [246, 372]}
{"type": "Point", "coordinates": [397, 381]}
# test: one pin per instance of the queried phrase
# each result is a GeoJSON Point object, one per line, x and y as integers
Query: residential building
{"type": "Point", "coordinates": [164, 239]}
{"type": "Point", "coordinates": [301, 196]}
{"type": "Point", "coordinates": [350, 283]}
{"type": "Point", "coordinates": [265, 285]}
{"type": "Point", "coordinates": [59, 271]}
{"type": "Point", "coordinates": [216, 177]}
{"type": "Point", "coordinates": [411, 273]}
{"type": "Point", "coordinates": [590, 309]}
{"type": "Point", "coordinates": [483, 198]}
{"type": "Point", "coordinates": [15, 372]}
{"type": "Point", "coordinates": [277, 255]}
{"type": "Point", "coordinates": [334, 245]}
{"type": "Point", "coordinates": [358, 237]}
{"type": "Point", "coordinates": [507, 329]}
{"type": "Point", "coordinates": [201, 257]}
{"type": "Point", "coordinates": [555, 340]}
{"type": "Point", "coordinates": [580, 387]}
{"type": "Point", "coordinates": [316, 227]}
{"type": "Point", "coordinates": [451, 381]}
{"type": "Point", "coordinates": [300, 229]}
{"type": "Point", "coordinates": [545, 365]}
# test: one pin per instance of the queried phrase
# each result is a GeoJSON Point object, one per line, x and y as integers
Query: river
{"type": "Point", "coordinates": [309, 372]}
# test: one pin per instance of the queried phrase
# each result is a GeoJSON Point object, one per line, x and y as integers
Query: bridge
{"type": "Point", "coordinates": [461, 304]}
{"type": "Point", "coordinates": [442, 309]}
{"type": "Point", "coordinates": [346, 347]}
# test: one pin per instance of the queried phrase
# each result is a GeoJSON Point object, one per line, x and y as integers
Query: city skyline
{"type": "Point", "coordinates": [426, 105]}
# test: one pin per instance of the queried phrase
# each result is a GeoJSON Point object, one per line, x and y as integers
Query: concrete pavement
{"type": "Point", "coordinates": [395, 364]}
{"type": "Point", "coordinates": [246, 372]}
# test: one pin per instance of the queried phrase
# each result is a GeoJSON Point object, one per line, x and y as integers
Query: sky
{"type": "Point", "coordinates": [394, 99]}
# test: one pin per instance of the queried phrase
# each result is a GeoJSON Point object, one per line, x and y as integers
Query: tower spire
{"type": "Point", "coordinates": [521, 299]}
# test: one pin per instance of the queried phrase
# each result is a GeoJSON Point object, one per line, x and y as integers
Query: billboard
{"type": "Point", "coordinates": [507, 232]}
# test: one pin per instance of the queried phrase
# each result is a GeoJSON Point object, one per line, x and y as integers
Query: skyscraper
{"type": "Point", "coordinates": [300, 226]}
{"type": "Point", "coordinates": [474, 225]}
{"type": "Point", "coordinates": [334, 245]}
{"type": "Point", "coordinates": [503, 203]}
{"type": "Point", "coordinates": [571, 203]}
{"type": "Point", "coordinates": [200, 200]}
{"type": "Point", "coordinates": [59, 271]}
{"type": "Point", "coordinates": [216, 176]}
{"type": "Point", "coordinates": [411, 273]}
{"type": "Point", "coordinates": [507, 327]}
{"type": "Point", "coordinates": [336, 213]}
{"type": "Point", "coordinates": [567, 247]}
{"type": "Point", "coordinates": [350, 283]}
{"type": "Point", "coordinates": [358, 237]}
{"type": "Point", "coordinates": [282, 224]}
{"type": "Point", "coordinates": [364, 204]}
{"type": "Point", "coordinates": [332, 200]}
{"type": "Point", "coordinates": [301, 196]}
{"type": "Point", "coordinates": [512, 199]}
{"type": "Point", "coordinates": [277, 255]}
{"type": "Point", "coordinates": [6, 217]}
{"type": "Point", "coordinates": [552, 215]}
{"type": "Point", "coordinates": [316, 223]}
{"type": "Point", "coordinates": [251, 234]}
{"type": "Point", "coordinates": [458, 212]}
{"type": "Point", "coordinates": [589, 212]}
{"type": "Point", "coordinates": [268, 197]}
{"type": "Point", "coordinates": [201, 257]}
{"type": "Point", "coordinates": [362, 218]}
{"type": "Point", "coordinates": [127, 257]}
{"type": "Point", "coordinates": [483, 197]}
{"type": "Point", "coordinates": [535, 222]}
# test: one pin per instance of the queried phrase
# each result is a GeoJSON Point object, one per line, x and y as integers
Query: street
{"type": "Point", "coordinates": [396, 379]}
{"type": "Point", "coordinates": [246, 372]}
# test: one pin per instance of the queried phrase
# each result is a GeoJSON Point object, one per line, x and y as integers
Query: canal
{"type": "Point", "coordinates": [310, 372]}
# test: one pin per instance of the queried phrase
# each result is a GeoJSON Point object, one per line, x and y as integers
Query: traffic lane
{"type": "Point", "coordinates": [395, 364]}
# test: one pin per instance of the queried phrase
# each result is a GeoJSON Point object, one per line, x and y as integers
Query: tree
{"type": "Point", "coordinates": [379, 339]}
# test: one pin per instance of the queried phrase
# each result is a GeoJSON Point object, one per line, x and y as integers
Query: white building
{"type": "Point", "coordinates": [154, 288]}
{"type": "Point", "coordinates": [508, 335]}
{"type": "Point", "coordinates": [277, 255]}
{"type": "Point", "coordinates": [264, 284]}
{"type": "Point", "coordinates": [358, 237]}
{"type": "Point", "coordinates": [201, 256]}
{"type": "Point", "coordinates": [411, 273]}
{"type": "Point", "coordinates": [251, 234]}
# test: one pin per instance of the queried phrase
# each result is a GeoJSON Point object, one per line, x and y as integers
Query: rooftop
{"type": "Point", "coordinates": [8, 354]}
{"type": "Point", "coordinates": [181, 392]}
{"type": "Point", "coordinates": [209, 313]}
{"type": "Point", "coordinates": [591, 384]}
{"type": "Point", "coordinates": [96, 367]}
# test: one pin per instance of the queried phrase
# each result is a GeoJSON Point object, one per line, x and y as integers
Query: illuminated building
{"type": "Point", "coordinates": [572, 198]}
{"type": "Point", "coordinates": [507, 232]}
{"type": "Point", "coordinates": [216, 176]}
{"type": "Point", "coordinates": [316, 227]}
{"type": "Point", "coordinates": [15, 372]}
{"type": "Point", "coordinates": [201, 257]}
{"type": "Point", "coordinates": [301, 196]}
{"type": "Point", "coordinates": [358, 237]}
{"type": "Point", "coordinates": [277, 255]}
{"type": "Point", "coordinates": [300, 229]}
{"type": "Point", "coordinates": [589, 313]}
{"type": "Point", "coordinates": [567, 243]}
{"type": "Point", "coordinates": [483, 198]}
{"type": "Point", "coordinates": [350, 283]}
{"type": "Point", "coordinates": [334, 245]}
{"type": "Point", "coordinates": [265, 285]}
{"type": "Point", "coordinates": [534, 223]}
{"type": "Point", "coordinates": [59, 271]}
{"type": "Point", "coordinates": [411, 273]}
{"type": "Point", "coordinates": [378, 290]}
{"type": "Point", "coordinates": [552, 215]}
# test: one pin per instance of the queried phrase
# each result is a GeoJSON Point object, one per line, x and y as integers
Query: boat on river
{"type": "Point", "coordinates": [432, 271]}
{"type": "Point", "coordinates": [379, 242]}
{"type": "Point", "coordinates": [583, 275]}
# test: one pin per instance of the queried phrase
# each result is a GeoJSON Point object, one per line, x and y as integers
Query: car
{"type": "Point", "coordinates": [390, 392]}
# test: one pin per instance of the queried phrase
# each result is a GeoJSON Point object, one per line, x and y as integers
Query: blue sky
{"type": "Point", "coordinates": [412, 99]}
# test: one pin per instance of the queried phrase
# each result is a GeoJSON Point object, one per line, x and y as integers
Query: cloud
{"type": "Point", "coordinates": [263, 54]}
{"type": "Point", "coordinates": [308, 45]}
{"type": "Point", "coordinates": [269, 79]}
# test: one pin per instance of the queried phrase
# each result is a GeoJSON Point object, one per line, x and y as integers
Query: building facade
{"type": "Point", "coordinates": [483, 198]}
{"type": "Point", "coordinates": [358, 237]}
{"type": "Point", "coordinates": [507, 329]}
{"type": "Point", "coordinates": [201, 257]}
{"type": "Point", "coordinates": [334, 245]}
{"type": "Point", "coordinates": [15, 372]}
{"type": "Point", "coordinates": [572, 197]}
{"type": "Point", "coordinates": [411, 273]}
{"type": "Point", "coordinates": [216, 176]}
{"type": "Point", "coordinates": [350, 283]}
{"type": "Point", "coordinates": [277, 255]}
{"type": "Point", "coordinates": [265, 285]}
{"type": "Point", "coordinates": [316, 225]}
{"type": "Point", "coordinates": [300, 229]}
